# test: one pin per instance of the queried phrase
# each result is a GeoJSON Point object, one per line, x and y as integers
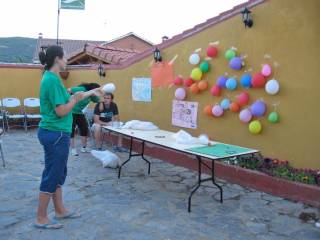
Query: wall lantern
{"type": "Point", "coordinates": [157, 55]}
{"type": "Point", "coordinates": [246, 17]}
{"type": "Point", "coordinates": [101, 71]}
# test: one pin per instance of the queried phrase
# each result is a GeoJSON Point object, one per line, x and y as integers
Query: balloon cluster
{"type": "Point", "coordinates": [195, 82]}
{"type": "Point", "coordinates": [250, 113]}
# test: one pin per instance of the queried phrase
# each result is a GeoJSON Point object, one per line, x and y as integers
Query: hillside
{"type": "Point", "coordinates": [17, 49]}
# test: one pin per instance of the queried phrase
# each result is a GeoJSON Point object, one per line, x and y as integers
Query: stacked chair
{"type": "Point", "coordinates": [13, 114]}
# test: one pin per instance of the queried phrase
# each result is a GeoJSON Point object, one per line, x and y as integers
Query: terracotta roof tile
{"type": "Point", "coordinates": [69, 46]}
{"type": "Point", "coordinates": [107, 54]}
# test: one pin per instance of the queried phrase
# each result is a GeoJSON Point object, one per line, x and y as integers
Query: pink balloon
{"type": "Point", "coordinates": [217, 110]}
{"type": "Point", "coordinates": [180, 93]}
{"type": "Point", "coordinates": [245, 115]}
{"type": "Point", "coordinates": [243, 99]}
{"type": "Point", "coordinates": [266, 70]}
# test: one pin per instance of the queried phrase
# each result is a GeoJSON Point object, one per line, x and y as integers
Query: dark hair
{"type": "Point", "coordinates": [89, 86]}
{"type": "Point", "coordinates": [48, 54]}
{"type": "Point", "coordinates": [110, 94]}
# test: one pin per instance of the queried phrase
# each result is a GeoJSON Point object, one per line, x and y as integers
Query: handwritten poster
{"type": "Point", "coordinates": [141, 89]}
{"type": "Point", "coordinates": [184, 114]}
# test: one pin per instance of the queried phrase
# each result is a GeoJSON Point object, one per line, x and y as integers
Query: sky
{"type": "Point", "coordinates": [105, 19]}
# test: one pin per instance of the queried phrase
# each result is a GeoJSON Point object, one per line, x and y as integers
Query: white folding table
{"type": "Point", "coordinates": [165, 139]}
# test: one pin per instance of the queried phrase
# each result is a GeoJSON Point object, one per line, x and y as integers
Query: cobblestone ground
{"type": "Point", "coordinates": [139, 206]}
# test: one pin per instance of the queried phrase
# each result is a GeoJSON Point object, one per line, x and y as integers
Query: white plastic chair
{"type": "Point", "coordinates": [1, 151]}
{"type": "Point", "coordinates": [88, 113]}
{"type": "Point", "coordinates": [31, 103]}
{"type": "Point", "coordinates": [2, 116]}
{"type": "Point", "coordinates": [9, 104]}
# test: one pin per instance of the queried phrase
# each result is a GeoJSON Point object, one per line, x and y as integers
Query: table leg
{"type": "Point", "coordinates": [135, 155]}
{"type": "Point", "coordinates": [146, 160]}
{"type": "Point", "coordinates": [2, 156]}
{"type": "Point", "coordinates": [197, 185]}
{"type": "Point", "coordinates": [212, 179]}
{"type": "Point", "coordinates": [130, 155]}
{"type": "Point", "coordinates": [214, 182]}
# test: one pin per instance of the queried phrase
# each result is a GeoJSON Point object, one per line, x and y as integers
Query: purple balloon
{"type": "Point", "coordinates": [258, 108]}
{"type": "Point", "coordinates": [217, 111]}
{"type": "Point", "coordinates": [236, 63]}
{"type": "Point", "coordinates": [180, 93]}
{"type": "Point", "coordinates": [245, 115]}
{"type": "Point", "coordinates": [221, 81]}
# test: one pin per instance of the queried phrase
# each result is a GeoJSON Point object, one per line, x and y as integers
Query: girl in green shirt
{"type": "Point", "coordinates": [79, 119]}
{"type": "Point", "coordinates": [54, 135]}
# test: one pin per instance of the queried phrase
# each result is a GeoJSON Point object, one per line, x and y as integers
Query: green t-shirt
{"type": "Point", "coordinates": [52, 94]}
{"type": "Point", "coordinates": [77, 109]}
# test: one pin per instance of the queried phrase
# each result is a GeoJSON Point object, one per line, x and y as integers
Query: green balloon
{"type": "Point", "coordinates": [230, 54]}
{"type": "Point", "coordinates": [205, 66]}
{"type": "Point", "coordinates": [273, 117]}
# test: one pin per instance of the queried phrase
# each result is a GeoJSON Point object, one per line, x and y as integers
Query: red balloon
{"type": "Point", "coordinates": [188, 82]}
{"type": "Point", "coordinates": [212, 51]}
{"type": "Point", "coordinates": [208, 110]}
{"type": "Point", "coordinates": [258, 80]}
{"type": "Point", "coordinates": [243, 99]}
{"type": "Point", "coordinates": [234, 107]}
{"type": "Point", "coordinates": [215, 90]}
{"type": "Point", "coordinates": [178, 81]}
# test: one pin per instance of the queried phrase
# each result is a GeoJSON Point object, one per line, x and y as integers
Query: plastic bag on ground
{"type": "Point", "coordinates": [107, 158]}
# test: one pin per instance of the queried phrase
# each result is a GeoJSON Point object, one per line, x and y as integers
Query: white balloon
{"type": "Point", "coordinates": [272, 87]}
{"type": "Point", "coordinates": [109, 88]}
{"type": "Point", "coordinates": [194, 59]}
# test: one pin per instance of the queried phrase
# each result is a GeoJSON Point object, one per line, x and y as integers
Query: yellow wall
{"type": "Point", "coordinates": [19, 82]}
{"type": "Point", "coordinates": [288, 30]}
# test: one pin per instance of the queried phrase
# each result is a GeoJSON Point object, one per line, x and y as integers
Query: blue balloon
{"type": "Point", "coordinates": [225, 103]}
{"type": "Point", "coordinates": [221, 81]}
{"type": "Point", "coordinates": [246, 80]}
{"type": "Point", "coordinates": [231, 83]}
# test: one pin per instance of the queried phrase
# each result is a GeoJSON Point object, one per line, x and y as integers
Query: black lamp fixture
{"type": "Point", "coordinates": [101, 71]}
{"type": "Point", "coordinates": [157, 55]}
{"type": "Point", "coordinates": [246, 18]}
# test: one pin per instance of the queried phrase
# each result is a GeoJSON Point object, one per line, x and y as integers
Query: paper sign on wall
{"type": "Point", "coordinates": [184, 114]}
{"type": "Point", "coordinates": [141, 89]}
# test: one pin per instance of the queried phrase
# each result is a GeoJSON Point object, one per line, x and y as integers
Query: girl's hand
{"type": "Point", "coordinates": [98, 92]}
{"type": "Point", "coordinates": [78, 96]}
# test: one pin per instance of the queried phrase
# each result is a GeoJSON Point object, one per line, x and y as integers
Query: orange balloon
{"type": "Point", "coordinates": [203, 85]}
{"type": "Point", "coordinates": [234, 107]}
{"type": "Point", "coordinates": [194, 88]}
{"type": "Point", "coordinates": [208, 110]}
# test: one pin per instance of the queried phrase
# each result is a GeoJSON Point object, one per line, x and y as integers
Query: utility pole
{"type": "Point", "coordinates": [58, 21]}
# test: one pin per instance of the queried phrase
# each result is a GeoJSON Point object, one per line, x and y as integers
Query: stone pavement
{"type": "Point", "coordinates": [139, 206]}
